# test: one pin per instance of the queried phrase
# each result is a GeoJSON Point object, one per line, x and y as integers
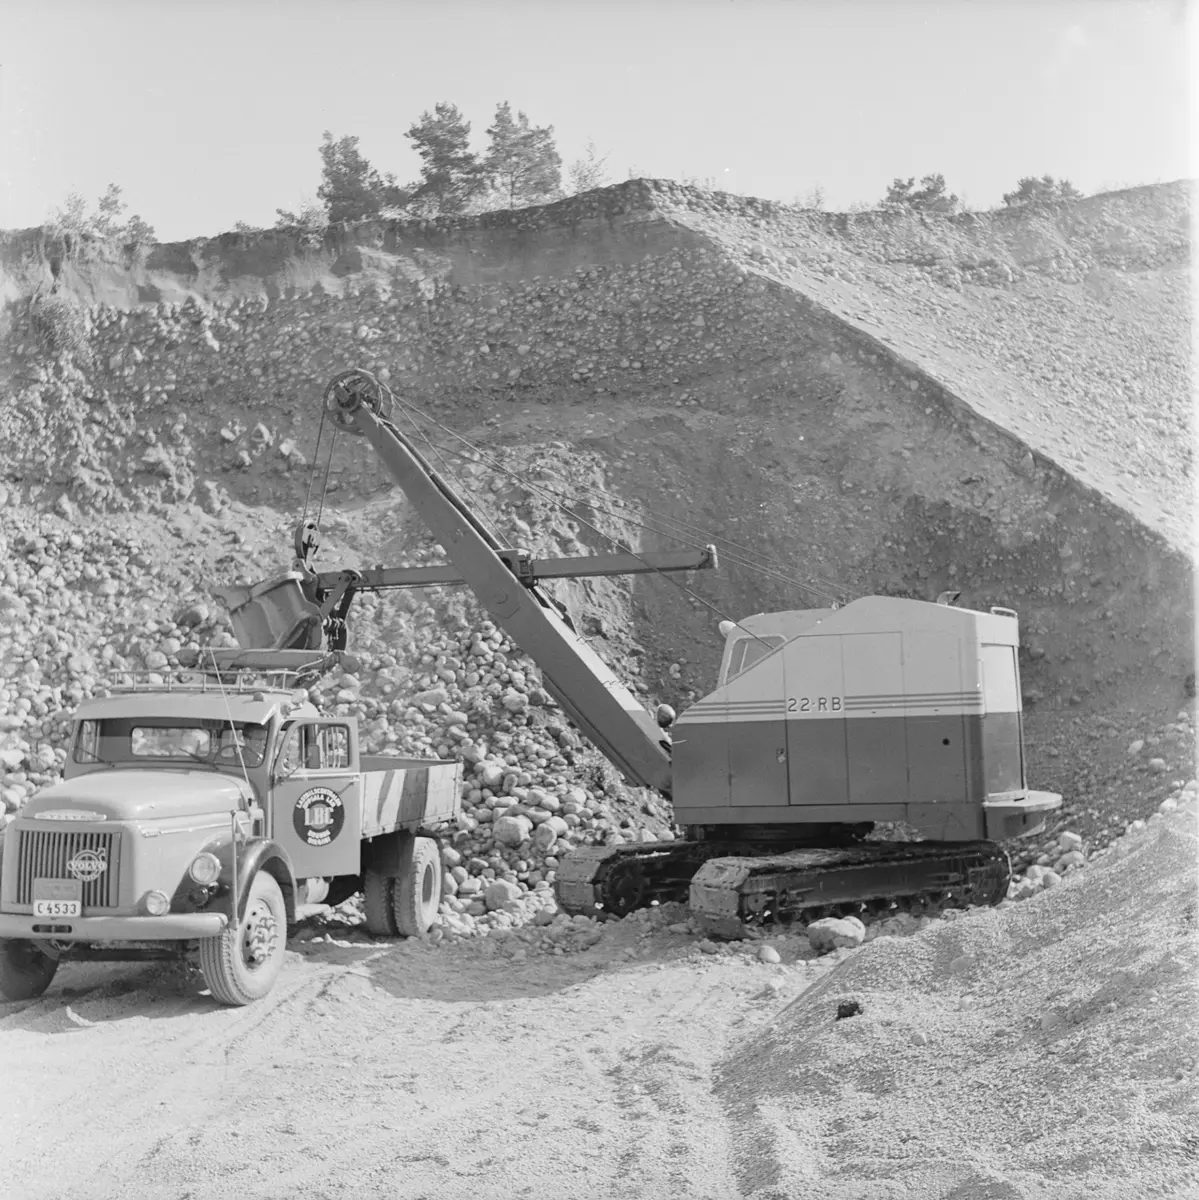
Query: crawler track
{"type": "Point", "coordinates": [731, 889]}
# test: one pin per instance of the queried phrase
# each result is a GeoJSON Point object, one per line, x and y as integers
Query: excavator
{"type": "Point", "coordinates": [825, 724]}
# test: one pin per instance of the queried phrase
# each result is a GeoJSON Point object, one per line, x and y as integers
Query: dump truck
{"type": "Point", "coordinates": [198, 812]}
{"type": "Point", "coordinates": [826, 726]}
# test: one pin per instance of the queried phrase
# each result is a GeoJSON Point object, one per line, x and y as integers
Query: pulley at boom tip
{"type": "Point", "coordinates": [350, 390]}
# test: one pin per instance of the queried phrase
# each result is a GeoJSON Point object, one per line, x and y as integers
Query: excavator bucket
{"type": "Point", "coordinates": [273, 615]}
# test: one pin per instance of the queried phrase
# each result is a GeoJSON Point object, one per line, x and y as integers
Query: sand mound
{"type": "Point", "coordinates": [1044, 1050]}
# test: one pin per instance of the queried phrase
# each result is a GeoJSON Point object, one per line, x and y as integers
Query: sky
{"type": "Point", "coordinates": [207, 112]}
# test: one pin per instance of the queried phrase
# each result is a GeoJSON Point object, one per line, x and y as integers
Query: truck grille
{"type": "Point", "coordinates": [45, 853]}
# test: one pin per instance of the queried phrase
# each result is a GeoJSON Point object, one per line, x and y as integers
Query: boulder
{"type": "Point", "coordinates": [498, 893]}
{"type": "Point", "coordinates": [511, 831]}
{"type": "Point", "coordinates": [833, 933]}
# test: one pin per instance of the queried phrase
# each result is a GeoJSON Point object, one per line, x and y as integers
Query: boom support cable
{"type": "Point", "coordinates": [312, 473]}
{"type": "Point", "coordinates": [446, 469]}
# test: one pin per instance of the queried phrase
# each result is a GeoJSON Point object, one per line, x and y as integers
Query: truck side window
{"type": "Point", "coordinates": [291, 756]}
{"type": "Point", "coordinates": [335, 747]}
{"type": "Point", "coordinates": [315, 748]}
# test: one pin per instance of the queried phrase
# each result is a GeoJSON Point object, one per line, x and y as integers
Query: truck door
{"type": "Point", "coordinates": [316, 798]}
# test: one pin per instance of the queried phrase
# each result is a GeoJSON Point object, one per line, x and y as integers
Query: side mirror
{"type": "Point", "coordinates": [282, 776]}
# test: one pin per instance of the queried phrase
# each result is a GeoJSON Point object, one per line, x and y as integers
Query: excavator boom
{"type": "Point", "coordinates": [578, 679]}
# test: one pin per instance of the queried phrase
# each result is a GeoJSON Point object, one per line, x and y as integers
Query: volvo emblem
{"type": "Point", "coordinates": [88, 865]}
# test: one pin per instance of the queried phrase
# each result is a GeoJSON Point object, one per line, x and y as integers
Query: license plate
{"type": "Point", "coordinates": [57, 897]}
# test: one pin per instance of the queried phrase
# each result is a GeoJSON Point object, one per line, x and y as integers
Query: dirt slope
{"type": "Point", "coordinates": [1047, 1049]}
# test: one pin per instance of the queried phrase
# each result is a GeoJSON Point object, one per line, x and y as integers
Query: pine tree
{"type": "Point", "coordinates": [350, 187]}
{"type": "Point", "coordinates": [930, 196]}
{"type": "Point", "coordinates": [522, 160]}
{"type": "Point", "coordinates": [1031, 190]}
{"type": "Point", "coordinates": [450, 173]}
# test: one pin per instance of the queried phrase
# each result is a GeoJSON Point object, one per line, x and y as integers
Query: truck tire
{"type": "Point", "coordinates": [25, 969]}
{"type": "Point", "coordinates": [240, 965]}
{"type": "Point", "coordinates": [377, 895]}
{"type": "Point", "coordinates": [416, 893]}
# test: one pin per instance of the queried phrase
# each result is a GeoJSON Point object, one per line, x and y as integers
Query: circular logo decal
{"type": "Point", "coordinates": [319, 816]}
{"type": "Point", "coordinates": [88, 865]}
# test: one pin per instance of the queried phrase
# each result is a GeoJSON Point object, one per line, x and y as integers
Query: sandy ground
{"type": "Point", "coordinates": [1044, 1050]}
{"type": "Point", "coordinates": [389, 1069]}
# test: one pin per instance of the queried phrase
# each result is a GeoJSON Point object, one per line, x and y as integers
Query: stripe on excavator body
{"type": "Point", "coordinates": [967, 702]}
{"type": "Point", "coordinates": [881, 697]}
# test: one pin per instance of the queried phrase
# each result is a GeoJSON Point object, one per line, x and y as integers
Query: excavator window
{"type": "Point", "coordinates": [748, 650]}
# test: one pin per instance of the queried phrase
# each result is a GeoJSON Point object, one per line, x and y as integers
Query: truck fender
{"type": "Point", "coordinates": [258, 854]}
{"type": "Point", "coordinates": [386, 853]}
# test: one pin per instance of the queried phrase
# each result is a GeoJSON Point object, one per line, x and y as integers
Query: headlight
{"type": "Point", "coordinates": [157, 904]}
{"type": "Point", "coordinates": [205, 868]}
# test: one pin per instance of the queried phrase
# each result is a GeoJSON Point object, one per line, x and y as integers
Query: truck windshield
{"type": "Point", "coordinates": [136, 739]}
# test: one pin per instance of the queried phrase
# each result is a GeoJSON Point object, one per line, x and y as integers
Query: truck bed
{"type": "Point", "coordinates": [408, 793]}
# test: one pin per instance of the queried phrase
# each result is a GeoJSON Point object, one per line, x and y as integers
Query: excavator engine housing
{"type": "Point", "coordinates": [884, 710]}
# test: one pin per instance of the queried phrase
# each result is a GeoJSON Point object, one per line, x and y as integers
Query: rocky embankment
{"type": "Point", "coordinates": [844, 404]}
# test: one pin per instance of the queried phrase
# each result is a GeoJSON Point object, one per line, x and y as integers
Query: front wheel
{"type": "Point", "coordinates": [25, 969]}
{"type": "Point", "coordinates": [241, 964]}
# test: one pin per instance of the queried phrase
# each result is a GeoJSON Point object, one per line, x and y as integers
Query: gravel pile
{"type": "Point", "coordinates": [1039, 1049]}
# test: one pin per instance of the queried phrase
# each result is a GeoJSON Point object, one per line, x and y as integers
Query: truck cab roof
{"type": "Point", "coordinates": [257, 707]}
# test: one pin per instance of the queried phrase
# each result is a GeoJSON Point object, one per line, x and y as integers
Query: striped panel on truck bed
{"type": "Point", "coordinates": [408, 797]}
{"type": "Point", "coordinates": [384, 795]}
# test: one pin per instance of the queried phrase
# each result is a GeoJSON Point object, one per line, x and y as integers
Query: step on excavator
{"type": "Point", "coordinates": [828, 727]}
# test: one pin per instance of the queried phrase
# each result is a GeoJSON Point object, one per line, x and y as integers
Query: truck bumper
{"type": "Point", "coordinates": [1020, 815]}
{"type": "Point", "coordinates": [170, 928]}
